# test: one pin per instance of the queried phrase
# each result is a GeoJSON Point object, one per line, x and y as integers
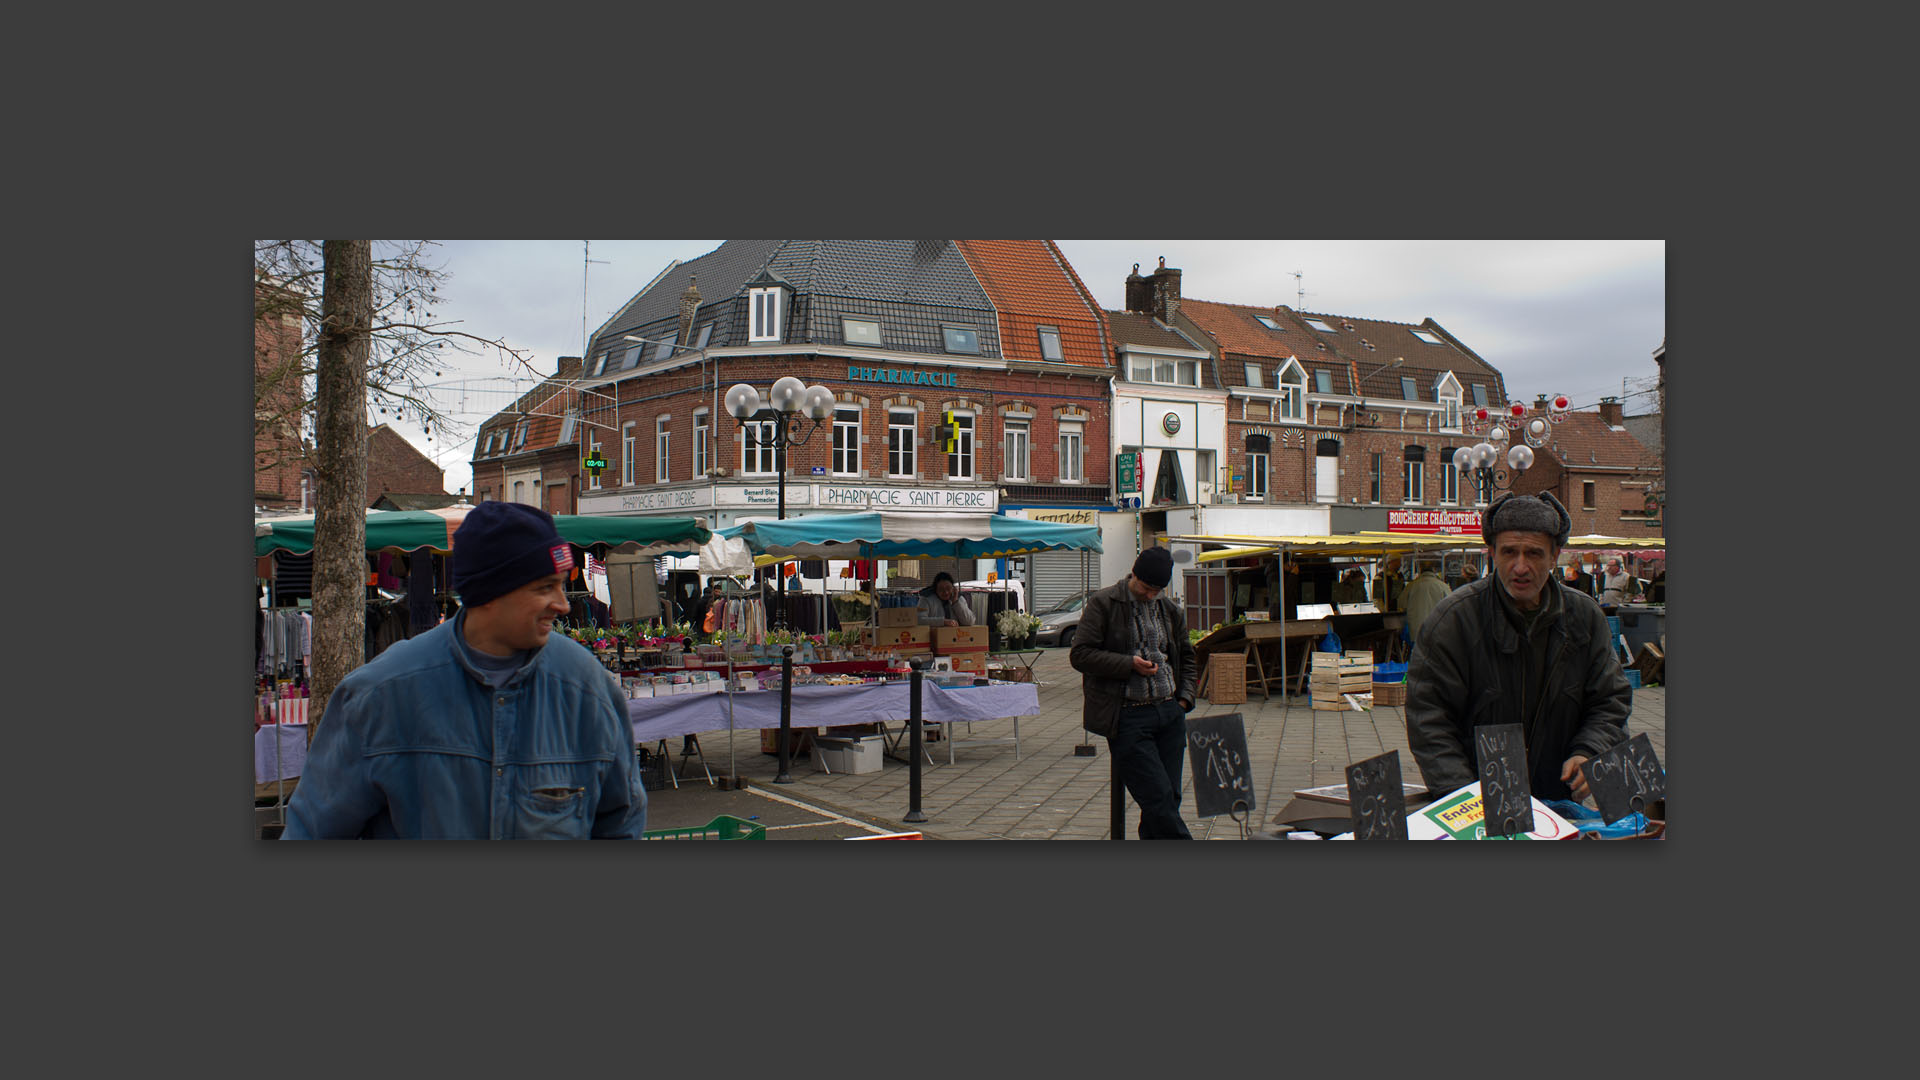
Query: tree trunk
{"type": "Point", "coordinates": [340, 458]}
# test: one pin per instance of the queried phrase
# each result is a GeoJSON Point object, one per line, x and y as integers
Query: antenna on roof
{"type": "Point", "coordinates": [1300, 283]}
{"type": "Point", "coordinates": [586, 249]}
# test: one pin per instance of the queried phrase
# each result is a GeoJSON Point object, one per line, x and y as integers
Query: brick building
{"type": "Point", "coordinates": [279, 453]}
{"type": "Point", "coordinates": [281, 457]}
{"type": "Point", "coordinates": [1000, 334]}
{"type": "Point", "coordinates": [1599, 471]}
{"type": "Point", "coordinates": [394, 467]}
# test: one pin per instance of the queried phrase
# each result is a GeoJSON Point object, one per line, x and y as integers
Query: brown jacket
{"type": "Point", "coordinates": [1103, 654]}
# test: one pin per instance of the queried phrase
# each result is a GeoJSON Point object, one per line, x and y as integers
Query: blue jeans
{"type": "Point", "coordinates": [1149, 745]}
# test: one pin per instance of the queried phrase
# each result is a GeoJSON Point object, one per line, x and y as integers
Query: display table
{"type": "Point", "coordinates": [835, 706]}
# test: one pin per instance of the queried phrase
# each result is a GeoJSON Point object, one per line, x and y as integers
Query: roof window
{"type": "Point", "coordinates": [1319, 324]}
{"type": "Point", "coordinates": [960, 339]}
{"type": "Point", "coordinates": [1428, 336]}
{"type": "Point", "coordinates": [1266, 322]}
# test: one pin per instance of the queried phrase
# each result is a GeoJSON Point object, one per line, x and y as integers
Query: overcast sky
{"type": "Point", "coordinates": [1574, 317]}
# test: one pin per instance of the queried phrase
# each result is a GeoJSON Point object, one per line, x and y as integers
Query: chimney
{"type": "Point", "coordinates": [569, 368]}
{"type": "Point", "coordinates": [1166, 292]}
{"type": "Point", "coordinates": [1610, 411]}
{"type": "Point", "coordinates": [1139, 292]}
{"type": "Point", "coordinates": [689, 303]}
{"type": "Point", "coordinates": [1540, 403]}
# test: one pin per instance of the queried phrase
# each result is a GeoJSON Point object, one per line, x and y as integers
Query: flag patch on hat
{"type": "Point", "coordinates": [562, 557]}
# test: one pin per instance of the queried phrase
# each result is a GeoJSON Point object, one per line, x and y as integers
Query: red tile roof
{"type": "Point", "coordinates": [1233, 326]}
{"type": "Point", "coordinates": [1583, 440]}
{"type": "Point", "coordinates": [1032, 285]}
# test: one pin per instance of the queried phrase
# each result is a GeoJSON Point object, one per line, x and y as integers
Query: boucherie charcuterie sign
{"type": "Point", "coordinates": [1434, 522]}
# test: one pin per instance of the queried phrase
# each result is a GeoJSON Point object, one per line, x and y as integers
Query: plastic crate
{"type": "Point", "coordinates": [1633, 678]}
{"type": "Point", "coordinates": [724, 827]}
{"type": "Point", "coordinates": [1390, 672]}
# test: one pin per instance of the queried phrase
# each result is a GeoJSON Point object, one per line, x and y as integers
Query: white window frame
{"type": "Point", "coordinates": [763, 314]}
{"type": "Point", "coordinates": [1449, 482]}
{"type": "Point", "coordinates": [964, 447]}
{"type": "Point", "coordinates": [846, 331]}
{"type": "Point", "coordinates": [1450, 412]}
{"type": "Point", "coordinates": [1050, 333]}
{"type": "Point", "coordinates": [900, 443]}
{"type": "Point", "coordinates": [846, 447]}
{"type": "Point", "coordinates": [1292, 381]}
{"type": "Point", "coordinates": [663, 448]}
{"type": "Point", "coordinates": [1427, 336]}
{"type": "Point", "coordinates": [1257, 474]}
{"type": "Point", "coordinates": [753, 456]}
{"type": "Point", "coordinates": [1255, 378]}
{"type": "Point", "coordinates": [1016, 440]}
{"type": "Point", "coordinates": [1268, 322]}
{"type": "Point", "coordinates": [1414, 476]}
{"type": "Point", "coordinates": [1072, 465]}
{"type": "Point", "coordinates": [1318, 324]}
{"type": "Point", "coordinates": [627, 452]}
{"type": "Point", "coordinates": [1141, 369]}
{"type": "Point", "coordinates": [702, 444]}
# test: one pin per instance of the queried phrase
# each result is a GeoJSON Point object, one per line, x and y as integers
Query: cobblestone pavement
{"type": "Point", "coordinates": [1047, 792]}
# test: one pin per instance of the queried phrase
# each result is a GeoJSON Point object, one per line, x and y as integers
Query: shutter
{"type": "Point", "coordinates": [1052, 576]}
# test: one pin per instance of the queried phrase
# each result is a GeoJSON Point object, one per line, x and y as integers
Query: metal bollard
{"type": "Point", "coordinates": [913, 721]}
{"type": "Point", "coordinates": [1119, 799]}
{"type": "Point", "coordinates": [786, 714]}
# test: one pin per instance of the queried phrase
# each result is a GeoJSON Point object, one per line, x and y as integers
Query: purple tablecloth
{"type": "Point", "coordinates": [827, 706]}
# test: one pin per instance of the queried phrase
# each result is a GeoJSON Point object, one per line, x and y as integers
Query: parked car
{"type": "Point", "coordinates": [1058, 623]}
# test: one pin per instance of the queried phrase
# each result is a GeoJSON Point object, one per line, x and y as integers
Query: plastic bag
{"type": "Point", "coordinates": [1590, 821]}
{"type": "Point", "coordinates": [1330, 643]}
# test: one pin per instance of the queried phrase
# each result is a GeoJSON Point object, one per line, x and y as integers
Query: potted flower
{"type": "Point", "coordinates": [1016, 628]}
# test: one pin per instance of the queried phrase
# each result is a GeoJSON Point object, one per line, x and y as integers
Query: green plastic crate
{"type": "Point", "coordinates": [724, 827]}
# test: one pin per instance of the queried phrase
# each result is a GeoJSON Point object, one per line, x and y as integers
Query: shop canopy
{"type": "Point", "coordinates": [414, 530]}
{"type": "Point", "coordinates": [884, 534]}
{"type": "Point", "coordinates": [1370, 544]}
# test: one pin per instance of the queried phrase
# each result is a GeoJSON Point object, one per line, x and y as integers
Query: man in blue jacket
{"type": "Point", "coordinates": [487, 726]}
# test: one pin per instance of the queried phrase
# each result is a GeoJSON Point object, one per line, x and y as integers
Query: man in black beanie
{"type": "Point", "coordinates": [488, 726]}
{"type": "Point", "coordinates": [1518, 646]}
{"type": "Point", "coordinates": [1137, 676]}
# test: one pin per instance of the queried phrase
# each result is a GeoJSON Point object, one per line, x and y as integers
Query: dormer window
{"type": "Point", "coordinates": [765, 313]}
{"type": "Point", "coordinates": [662, 351]}
{"type": "Point", "coordinates": [1323, 380]}
{"type": "Point", "coordinates": [1253, 376]}
{"type": "Point", "coordinates": [1447, 392]}
{"type": "Point", "coordinates": [706, 335]}
{"type": "Point", "coordinates": [960, 339]}
{"type": "Point", "coordinates": [1480, 395]}
{"type": "Point", "coordinates": [1293, 391]}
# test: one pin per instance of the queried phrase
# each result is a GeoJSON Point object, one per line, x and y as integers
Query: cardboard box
{"type": "Point", "coordinates": [970, 661]}
{"type": "Point", "coordinates": [958, 638]}
{"type": "Point", "coordinates": [860, 754]}
{"type": "Point", "coordinates": [903, 638]}
{"type": "Point", "coordinates": [896, 616]}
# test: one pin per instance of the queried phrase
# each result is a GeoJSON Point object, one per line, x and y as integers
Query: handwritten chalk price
{"type": "Point", "coordinates": [1377, 803]}
{"type": "Point", "coordinates": [1626, 779]}
{"type": "Point", "coordinates": [1505, 789]}
{"type": "Point", "coordinates": [1222, 775]}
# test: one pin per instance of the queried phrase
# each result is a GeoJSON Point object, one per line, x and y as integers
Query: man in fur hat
{"type": "Point", "coordinates": [1517, 647]}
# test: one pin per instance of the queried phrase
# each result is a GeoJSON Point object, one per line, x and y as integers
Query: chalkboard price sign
{"type": "Point", "coordinates": [1222, 775]}
{"type": "Point", "coordinates": [1626, 779]}
{"type": "Point", "coordinates": [1378, 803]}
{"type": "Point", "coordinates": [1505, 790]}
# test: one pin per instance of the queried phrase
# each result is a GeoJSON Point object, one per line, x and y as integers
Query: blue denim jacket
{"type": "Point", "coordinates": [416, 745]}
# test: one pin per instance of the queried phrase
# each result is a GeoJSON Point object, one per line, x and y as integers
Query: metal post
{"type": "Point", "coordinates": [913, 721]}
{"type": "Point", "coordinates": [1119, 797]}
{"type": "Point", "coordinates": [786, 712]}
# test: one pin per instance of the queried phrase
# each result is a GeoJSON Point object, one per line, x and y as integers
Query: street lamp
{"type": "Point", "coordinates": [1484, 458]}
{"type": "Point", "coordinates": [789, 403]}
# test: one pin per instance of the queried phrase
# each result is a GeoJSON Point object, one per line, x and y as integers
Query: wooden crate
{"type": "Point", "coordinates": [1226, 678]}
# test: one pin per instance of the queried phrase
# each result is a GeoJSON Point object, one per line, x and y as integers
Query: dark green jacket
{"type": "Point", "coordinates": [1103, 654]}
{"type": "Point", "coordinates": [1470, 666]}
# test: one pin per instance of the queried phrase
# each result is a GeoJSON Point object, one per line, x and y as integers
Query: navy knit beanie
{"type": "Point", "coordinates": [501, 546]}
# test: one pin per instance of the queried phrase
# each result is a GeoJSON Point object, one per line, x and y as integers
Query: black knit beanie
{"type": "Point", "coordinates": [501, 546]}
{"type": "Point", "coordinates": [1154, 566]}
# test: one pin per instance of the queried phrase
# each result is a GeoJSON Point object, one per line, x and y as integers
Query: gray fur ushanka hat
{"type": "Point", "coordinates": [1540, 513]}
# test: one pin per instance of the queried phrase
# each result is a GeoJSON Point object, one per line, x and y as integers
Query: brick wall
{"type": "Point", "coordinates": [1292, 469]}
{"type": "Point", "coordinates": [676, 394]}
{"type": "Point", "coordinates": [278, 455]}
{"type": "Point", "coordinates": [393, 465]}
